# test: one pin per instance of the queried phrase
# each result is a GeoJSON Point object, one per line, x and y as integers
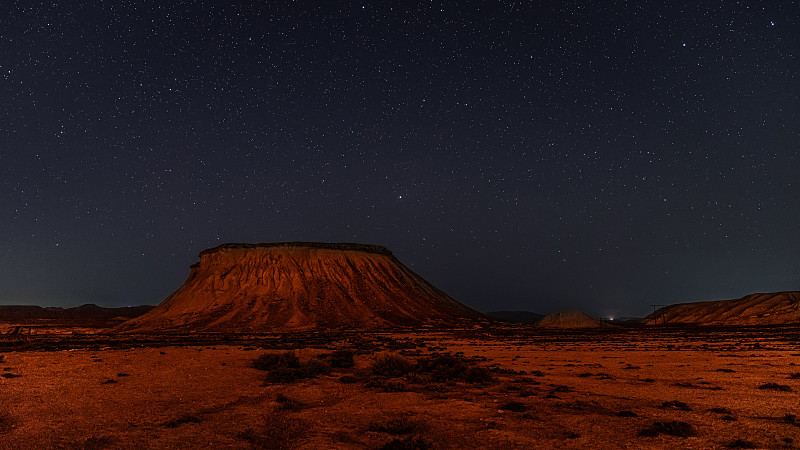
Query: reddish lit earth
{"type": "Point", "coordinates": [630, 388]}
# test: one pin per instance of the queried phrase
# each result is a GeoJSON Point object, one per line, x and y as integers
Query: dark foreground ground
{"type": "Point", "coordinates": [510, 387]}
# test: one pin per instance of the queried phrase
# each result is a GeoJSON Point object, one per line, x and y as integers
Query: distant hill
{"type": "Point", "coordinates": [516, 316]}
{"type": "Point", "coordinates": [570, 319]}
{"type": "Point", "coordinates": [778, 308]}
{"type": "Point", "coordinates": [84, 315]}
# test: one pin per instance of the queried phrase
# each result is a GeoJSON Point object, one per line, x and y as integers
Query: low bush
{"type": "Point", "coordinates": [271, 361]}
{"type": "Point", "coordinates": [437, 368]}
{"type": "Point", "coordinates": [287, 367]}
{"type": "Point", "coordinates": [391, 365]}
{"type": "Point", "coordinates": [514, 406]}
{"type": "Point", "coordinates": [676, 404]}
{"type": "Point", "coordinates": [398, 426]}
{"type": "Point", "coordinates": [407, 443]}
{"type": "Point", "coordinates": [775, 387]}
{"type": "Point", "coordinates": [740, 443]}
{"type": "Point", "coordinates": [443, 368]}
{"type": "Point", "coordinates": [289, 404]}
{"type": "Point", "coordinates": [186, 418]}
{"type": "Point", "coordinates": [673, 428]}
{"type": "Point", "coordinates": [339, 359]}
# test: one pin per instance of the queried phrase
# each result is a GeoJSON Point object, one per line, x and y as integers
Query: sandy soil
{"type": "Point", "coordinates": [548, 389]}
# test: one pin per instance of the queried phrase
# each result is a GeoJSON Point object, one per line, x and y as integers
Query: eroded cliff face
{"type": "Point", "coordinates": [300, 286]}
{"type": "Point", "coordinates": [757, 309]}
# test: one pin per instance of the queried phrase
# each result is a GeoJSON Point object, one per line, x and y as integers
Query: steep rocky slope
{"type": "Point", "coordinates": [300, 286]}
{"type": "Point", "coordinates": [757, 309]}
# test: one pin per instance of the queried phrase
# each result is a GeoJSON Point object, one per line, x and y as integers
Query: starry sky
{"type": "Point", "coordinates": [541, 156]}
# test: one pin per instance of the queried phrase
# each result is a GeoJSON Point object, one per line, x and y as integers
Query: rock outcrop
{"type": "Point", "coordinates": [569, 319]}
{"type": "Point", "coordinates": [779, 308]}
{"type": "Point", "coordinates": [300, 286]}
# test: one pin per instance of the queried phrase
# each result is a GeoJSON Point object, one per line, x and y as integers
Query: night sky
{"type": "Point", "coordinates": [539, 156]}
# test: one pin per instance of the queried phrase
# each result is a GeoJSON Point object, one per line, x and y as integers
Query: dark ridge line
{"type": "Point", "coordinates": [345, 246]}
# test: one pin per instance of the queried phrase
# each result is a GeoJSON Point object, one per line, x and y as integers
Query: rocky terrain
{"type": "Point", "coordinates": [779, 308]}
{"type": "Point", "coordinates": [301, 286]}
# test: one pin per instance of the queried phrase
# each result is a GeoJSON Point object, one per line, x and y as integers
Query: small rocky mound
{"type": "Point", "coordinates": [299, 286]}
{"type": "Point", "coordinates": [569, 319]}
{"type": "Point", "coordinates": [779, 308]}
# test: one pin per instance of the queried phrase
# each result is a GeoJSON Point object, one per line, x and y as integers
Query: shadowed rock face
{"type": "Point", "coordinates": [569, 319]}
{"type": "Point", "coordinates": [757, 309]}
{"type": "Point", "coordinates": [300, 286]}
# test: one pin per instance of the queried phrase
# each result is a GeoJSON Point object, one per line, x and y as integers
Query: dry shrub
{"type": "Point", "coordinates": [398, 426]}
{"type": "Point", "coordinates": [279, 432]}
{"type": "Point", "coordinates": [287, 367]}
{"type": "Point", "coordinates": [407, 443]}
{"type": "Point", "coordinates": [673, 428]}
{"type": "Point", "coordinates": [740, 443]}
{"type": "Point", "coordinates": [676, 404]}
{"type": "Point", "coordinates": [391, 365]}
{"type": "Point", "coordinates": [514, 406]}
{"type": "Point", "coordinates": [339, 359]}
{"type": "Point", "coordinates": [6, 423]}
{"type": "Point", "coordinates": [775, 387]}
{"type": "Point", "coordinates": [288, 404]}
{"type": "Point", "coordinates": [443, 368]}
{"type": "Point", "coordinates": [270, 361]}
{"type": "Point", "coordinates": [97, 443]}
{"type": "Point", "coordinates": [186, 418]}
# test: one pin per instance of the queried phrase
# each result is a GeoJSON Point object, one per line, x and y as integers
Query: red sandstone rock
{"type": "Point", "coordinates": [301, 286]}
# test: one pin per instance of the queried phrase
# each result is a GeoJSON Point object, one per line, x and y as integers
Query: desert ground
{"type": "Point", "coordinates": [507, 387]}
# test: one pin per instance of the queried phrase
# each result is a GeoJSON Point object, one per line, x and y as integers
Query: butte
{"type": "Point", "coordinates": [300, 286]}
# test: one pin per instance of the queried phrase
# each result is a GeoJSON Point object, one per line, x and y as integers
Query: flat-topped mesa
{"type": "Point", "coordinates": [301, 286]}
{"type": "Point", "coordinates": [780, 308]}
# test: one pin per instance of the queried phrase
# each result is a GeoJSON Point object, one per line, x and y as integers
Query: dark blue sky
{"type": "Point", "coordinates": [566, 155]}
